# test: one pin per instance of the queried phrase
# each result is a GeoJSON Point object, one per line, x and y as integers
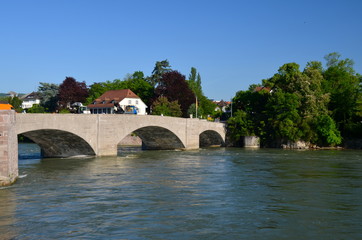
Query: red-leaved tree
{"type": "Point", "coordinates": [173, 86]}
{"type": "Point", "coordinates": [71, 91]}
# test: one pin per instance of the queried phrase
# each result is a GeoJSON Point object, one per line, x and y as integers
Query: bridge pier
{"type": "Point", "coordinates": [8, 148]}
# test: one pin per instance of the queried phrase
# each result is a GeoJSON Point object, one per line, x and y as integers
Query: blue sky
{"type": "Point", "coordinates": [231, 43]}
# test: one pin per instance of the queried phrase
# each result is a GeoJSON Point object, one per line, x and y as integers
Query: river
{"type": "Point", "coordinates": [217, 193]}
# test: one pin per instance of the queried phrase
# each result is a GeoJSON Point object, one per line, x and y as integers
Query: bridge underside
{"type": "Point", "coordinates": [56, 143]}
{"type": "Point", "coordinates": [211, 138]}
{"type": "Point", "coordinates": [158, 138]}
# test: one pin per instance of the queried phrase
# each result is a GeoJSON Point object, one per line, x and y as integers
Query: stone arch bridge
{"type": "Point", "coordinates": [65, 135]}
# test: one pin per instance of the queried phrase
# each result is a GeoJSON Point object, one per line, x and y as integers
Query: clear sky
{"type": "Point", "coordinates": [232, 44]}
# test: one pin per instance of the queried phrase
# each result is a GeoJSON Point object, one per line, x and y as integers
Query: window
{"type": "Point", "coordinates": [129, 102]}
{"type": "Point", "coordinates": [136, 102]}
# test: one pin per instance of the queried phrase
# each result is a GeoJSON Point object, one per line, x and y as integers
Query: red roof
{"type": "Point", "coordinates": [113, 96]}
{"type": "Point", "coordinates": [258, 89]}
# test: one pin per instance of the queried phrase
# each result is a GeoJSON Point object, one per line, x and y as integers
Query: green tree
{"type": "Point", "coordinates": [194, 82]}
{"type": "Point", "coordinates": [138, 84]}
{"type": "Point", "coordinates": [343, 85]}
{"type": "Point", "coordinates": [13, 101]}
{"type": "Point", "coordinates": [240, 125]}
{"type": "Point", "coordinates": [36, 108]}
{"type": "Point", "coordinates": [205, 105]}
{"type": "Point", "coordinates": [95, 91]}
{"type": "Point", "coordinates": [162, 106]}
{"type": "Point", "coordinates": [192, 111]}
{"type": "Point", "coordinates": [160, 68]}
{"type": "Point", "coordinates": [48, 93]}
{"type": "Point", "coordinates": [284, 119]}
{"type": "Point", "coordinates": [328, 134]}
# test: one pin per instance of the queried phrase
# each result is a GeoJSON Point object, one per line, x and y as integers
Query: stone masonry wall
{"type": "Point", "coordinates": [8, 148]}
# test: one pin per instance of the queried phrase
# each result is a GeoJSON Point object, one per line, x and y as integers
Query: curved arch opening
{"type": "Point", "coordinates": [152, 138]}
{"type": "Point", "coordinates": [210, 138]}
{"type": "Point", "coordinates": [58, 144]}
{"type": "Point", "coordinates": [28, 149]}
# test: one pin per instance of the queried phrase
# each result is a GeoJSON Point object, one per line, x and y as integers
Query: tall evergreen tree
{"type": "Point", "coordinates": [160, 68]}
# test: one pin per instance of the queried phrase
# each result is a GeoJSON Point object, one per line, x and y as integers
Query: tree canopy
{"type": "Point", "coordinates": [316, 105]}
{"type": "Point", "coordinates": [71, 91]}
{"type": "Point", "coordinates": [48, 93]}
{"type": "Point", "coordinates": [174, 87]}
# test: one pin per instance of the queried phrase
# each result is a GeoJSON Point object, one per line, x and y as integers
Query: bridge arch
{"type": "Point", "coordinates": [59, 143]}
{"type": "Point", "coordinates": [158, 138]}
{"type": "Point", "coordinates": [211, 138]}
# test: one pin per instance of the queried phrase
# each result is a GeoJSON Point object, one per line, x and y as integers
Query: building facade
{"type": "Point", "coordinates": [118, 101]}
{"type": "Point", "coordinates": [29, 100]}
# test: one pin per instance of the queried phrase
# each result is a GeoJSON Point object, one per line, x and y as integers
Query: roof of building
{"type": "Point", "coordinates": [31, 96]}
{"type": "Point", "coordinates": [222, 103]}
{"type": "Point", "coordinates": [258, 89]}
{"type": "Point", "coordinates": [113, 96]}
{"type": "Point", "coordinates": [5, 106]}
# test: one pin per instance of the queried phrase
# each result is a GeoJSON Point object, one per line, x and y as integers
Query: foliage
{"type": "Point", "coordinates": [205, 106]}
{"type": "Point", "coordinates": [48, 93]}
{"type": "Point", "coordinates": [136, 82]}
{"type": "Point", "coordinates": [174, 87]}
{"type": "Point", "coordinates": [162, 106]}
{"type": "Point", "coordinates": [343, 85]}
{"type": "Point", "coordinates": [313, 105]}
{"type": "Point", "coordinates": [195, 82]}
{"type": "Point", "coordinates": [192, 111]}
{"type": "Point", "coordinates": [64, 111]}
{"type": "Point", "coordinates": [71, 91]}
{"type": "Point", "coordinates": [240, 125]}
{"type": "Point", "coordinates": [283, 115]}
{"type": "Point", "coordinates": [328, 134]}
{"type": "Point", "coordinates": [160, 68]}
{"type": "Point", "coordinates": [36, 108]}
{"type": "Point", "coordinates": [13, 101]}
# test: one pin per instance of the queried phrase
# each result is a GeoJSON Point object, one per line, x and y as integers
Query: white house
{"type": "Point", "coordinates": [29, 100]}
{"type": "Point", "coordinates": [118, 101]}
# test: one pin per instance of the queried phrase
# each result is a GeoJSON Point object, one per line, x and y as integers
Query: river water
{"type": "Point", "coordinates": [215, 193]}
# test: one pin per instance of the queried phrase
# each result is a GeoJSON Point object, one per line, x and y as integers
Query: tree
{"type": "Point", "coordinates": [328, 134]}
{"type": "Point", "coordinates": [195, 82]}
{"type": "Point", "coordinates": [162, 106]}
{"type": "Point", "coordinates": [95, 91]}
{"type": "Point", "coordinates": [174, 87]}
{"type": "Point", "coordinates": [36, 108]}
{"type": "Point", "coordinates": [48, 93]}
{"type": "Point", "coordinates": [13, 101]}
{"type": "Point", "coordinates": [205, 106]}
{"type": "Point", "coordinates": [138, 84]}
{"type": "Point", "coordinates": [71, 91]}
{"type": "Point", "coordinates": [341, 82]}
{"type": "Point", "coordinates": [192, 111]}
{"type": "Point", "coordinates": [240, 125]}
{"type": "Point", "coordinates": [283, 116]}
{"type": "Point", "coordinates": [160, 68]}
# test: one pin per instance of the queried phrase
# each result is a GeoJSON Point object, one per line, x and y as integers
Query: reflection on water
{"type": "Point", "coordinates": [203, 194]}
